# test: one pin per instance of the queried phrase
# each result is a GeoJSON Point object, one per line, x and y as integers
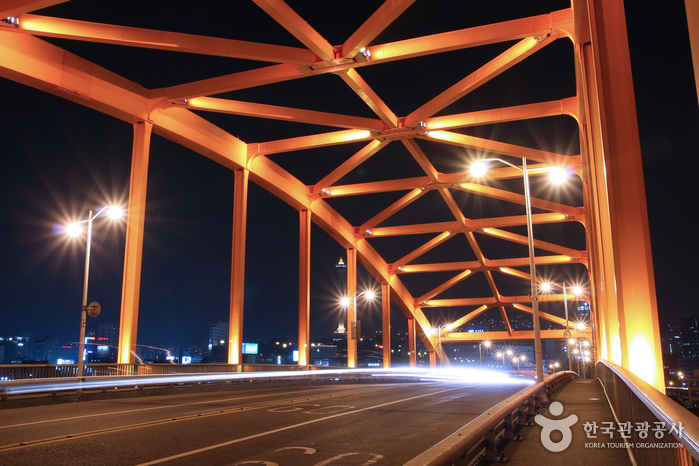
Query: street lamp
{"type": "Point", "coordinates": [557, 175]}
{"type": "Point", "coordinates": [438, 331]}
{"type": "Point", "coordinates": [577, 291]}
{"type": "Point", "coordinates": [354, 332]}
{"type": "Point", "coordinates": [75, 229]}
{"type": "Point", "coordinates": [485, 343]}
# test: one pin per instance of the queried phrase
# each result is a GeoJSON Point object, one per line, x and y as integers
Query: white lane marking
{"type": "Point", "coordinates": [306, 450]}
{"type": "Point", "coordinates": [145, 409]}
{"type": "Point", "coordinates": [288, 409]}
{"type": "Point", "coordinates": [330, 460]}
{"type": "Point", "coordinates": [282, 429]}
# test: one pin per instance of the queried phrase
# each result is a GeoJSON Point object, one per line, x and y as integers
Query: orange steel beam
{"type": "Point", "coordinates": [567, 106]}
{"type": "Point", "coordinates": [292, 22]}
{"type": "Point", "coordinates": [373, 26]}
{"type": "Point", "coordinates": [412, 344]}
{"type": "Point", "coordinates": [467, 318]}
{"type": "Point", "coordinates": [273, 112]}
{"type": "Point", "coordinates": [135, 224]}
{"type": "Point", "coordinates": [503, 300]}
{"type": "Point", "coordinates": [46, 26]}
{"type": "Point", "coordinates": [304, 341]}
{"type": "Point", "coordinates": [352, 78]}
{"type": "Point", "coordinates": [489, 263]}
{"type": "Point", "coordinates": [228, 83]}
{"type": "Point", "coordinates": [506, 320]}
{"type": "Point", "coordinates": [474, 224]}
{"type": "Point", "coordinates": [352, 308]}
{"type": "Point", "coordinates": [421, 159]}
{"type": "Point", "coordinates": [443, 287]}
{"type": "Point", "coordinates": [433, 243]}
{"type": "Point", "coordinates": [461, 39]}
{"type": "Point", "coordinates": [503, 336]}
{"type": "Point", "coordinates": [544, 315]}
{"type": "Point", "coordinates": [240, 208]}
{"type": "Point", "coordinates": [503, 62]}
{"type": "Point", "coordinates": [633, 265]}
{"type": "Point", "coordinates": [392, 209]}
{"type": "Point", "coordinates": [488, 145]}
{"type": "Point", "coordinates": [312, 142]}
{"type": "Point", "coordinates": [386, 324]}
{"type": "Point", "coordinates": [350, 164]}
{"type": "Point", "coordinates": [17, 7]}
{"type": "Point", "coordinates": [515, 198]}
{"type": "Point", "coordinates": [506, 235]}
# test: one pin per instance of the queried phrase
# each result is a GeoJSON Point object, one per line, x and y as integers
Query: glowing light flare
{"type": "Point", "coordinates": [115, 212]}
{"type": "Point", "coordinates": [439, 135]}
{"type": "Point", "coordinates": [558, 175]}
{"type": "Point", "coordinates": [74, 230]}
{"type": "Point", "coordinates": [479, 168]}
{"type": "Point", "coordinates": [577, 290]}
{"type": "Point", "coordinates": [358, 135]}
{"type": "Point", "coordinates": [345, 301]}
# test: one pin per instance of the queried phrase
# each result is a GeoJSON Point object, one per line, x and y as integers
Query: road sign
{"type": "Point", "coordinates": [566, 334]}
{"type": "Point", "coordinates": [94, 309]}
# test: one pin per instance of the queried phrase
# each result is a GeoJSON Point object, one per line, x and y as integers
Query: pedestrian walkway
{"type": "Point", "coordinates": [595, 441]}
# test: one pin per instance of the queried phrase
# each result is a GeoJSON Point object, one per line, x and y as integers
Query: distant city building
{"type": "Point", "coordinates": [689, 337]}
{"type": "Point", "coordinates": [218, 342]}
{"type": "Point", "coordinates": [15, 349]}
{"type": "Point", "coordinates": [322, 355]}
{"type": "Point", "coordinates": [670, 340]}
{"type": "Point", "coordinates": [341, 268]}
{"type": "Point", "coordinates": [102, 342]}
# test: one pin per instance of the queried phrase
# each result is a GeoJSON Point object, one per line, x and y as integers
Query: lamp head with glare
{"type": "Point", "coordinates": [558, 175]}
{"type": "Point", "coordinates": [115, 212]}
{"type": "Point", "coordinates": [478, 169]}
{"type": "Point", "coordinates": [370, 295]}
{"type": "Point", "coordinates": [74, 230]}
{"type": "Point", "coordinates": [545, 287]}
{"type": "Point", "coordinates": [345, 302]}
{"type": "Point", "coordinates": [577, 290]}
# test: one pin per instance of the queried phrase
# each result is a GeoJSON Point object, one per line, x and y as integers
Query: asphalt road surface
{"type": "Point", "coordinates": [382, 424]}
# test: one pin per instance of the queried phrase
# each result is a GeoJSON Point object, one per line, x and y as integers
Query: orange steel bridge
{"type": "Point", "coordinates": [603, 201]}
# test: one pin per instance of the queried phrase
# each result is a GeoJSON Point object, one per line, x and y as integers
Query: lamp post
{"type": "Point", "coordinates": [577, 291]}
{"type": "Point", "coordinates": [485, 343]}
{"type": "Point", "coordinates": [75, 230]}
{"type": "Point", "coordinates": [557, 176]}
{"type": "Point", "coordinates": [439, 344]}
{"type": "Point", "coordinates": [354, 332]}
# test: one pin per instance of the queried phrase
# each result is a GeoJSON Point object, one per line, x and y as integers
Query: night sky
{"type": "Point", "coordinates": [60, 160]}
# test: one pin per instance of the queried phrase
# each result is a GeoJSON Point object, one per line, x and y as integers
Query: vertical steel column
{"type": "Point", "coordinates": [412, 343]}
{"type": "Point", "coordinates": [240, 214]}
{"type": "Point", "coordinates": [304, 287]}
{"type": "Point", "coordinates": [634, 279]}
{"type": "Point", "coordinates": [352, 307]}
{"type": "Point", "coordinates": [600, 245]}
{"type": "Point", "coordinates": [135, 223]}
{"type": "Point", "coordinates": [386, 324]}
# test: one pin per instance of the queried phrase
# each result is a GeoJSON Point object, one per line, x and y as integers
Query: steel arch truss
{"type": "Point", "coordinates": [482, 219]}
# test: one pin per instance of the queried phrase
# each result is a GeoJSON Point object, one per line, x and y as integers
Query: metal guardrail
{"type": "Point", "coordinates": [22, 389]}
{"type": "Point", "coordinates": [635, 401]}
{"type": "Point", "coordinates": [479, 438]}
{"type": "Point", "coordinates": [11, 372]}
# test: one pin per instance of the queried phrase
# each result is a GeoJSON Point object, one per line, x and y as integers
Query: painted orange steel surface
{"type": "Point", "coordinates": [240, 208]}
{"type": "Point", "coordinates": [136, 212]}
{"type": "Point", "coordinates": [610, 209]}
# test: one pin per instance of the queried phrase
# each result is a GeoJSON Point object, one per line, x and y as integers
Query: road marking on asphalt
{"type": "Point", "coordinates": [282, 429]}
{"type": "Point", "coordinates": [158, 422]}
{"type": "Point", "coordinates": [146, 409]}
